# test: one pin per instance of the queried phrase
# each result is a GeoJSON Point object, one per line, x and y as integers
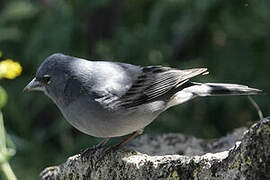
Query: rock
{"type": "Point", "coordinates": [244, 154]}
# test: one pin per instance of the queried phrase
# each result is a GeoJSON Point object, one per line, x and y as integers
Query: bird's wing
{"type": "Point", "coordinates": [154, 82]}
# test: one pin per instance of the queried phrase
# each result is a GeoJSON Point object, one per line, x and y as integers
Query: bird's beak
{"type": "Point", "coordinates": [34, 85]}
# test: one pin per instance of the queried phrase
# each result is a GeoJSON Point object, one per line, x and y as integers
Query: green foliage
{"type": "Point", "coordinates": [7, 148]}
{"type": "Point", "coordinates": [3, 97]}
{"type": "Point", "coordinates": [229, 37]}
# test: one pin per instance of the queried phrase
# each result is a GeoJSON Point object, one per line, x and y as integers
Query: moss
{"type": "Point", "coordinates": [70, 176]}
{"type": "Point", "coordinates": [174, 176]}
{"type": "Point", "coordinates": [263, 128]}
{"type": "Point", "coordinates": [248, 161]}
{"type": "Point", "coordinates": [235, 165]}
{"type": "Point", "coordinates": [195, 173]}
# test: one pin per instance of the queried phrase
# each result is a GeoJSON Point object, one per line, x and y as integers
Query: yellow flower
{"type": "Point", "coordinates": [10, 69]}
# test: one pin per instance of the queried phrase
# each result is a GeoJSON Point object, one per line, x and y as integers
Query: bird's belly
{"type": "Point", "coordinates": [105, 123]}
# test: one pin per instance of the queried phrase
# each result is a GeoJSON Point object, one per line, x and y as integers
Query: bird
{"type": "Point", "coordinates": [110, 99]}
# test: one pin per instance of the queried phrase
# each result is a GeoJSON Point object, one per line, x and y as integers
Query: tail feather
{"type": "Point", "coordinates": [222, 89]}
{"type": "Point", "coordinates": [210, 89]}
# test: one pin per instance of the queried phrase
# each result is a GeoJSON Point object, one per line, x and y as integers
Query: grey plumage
{"type": "Point", "coordinates": [108, 99]}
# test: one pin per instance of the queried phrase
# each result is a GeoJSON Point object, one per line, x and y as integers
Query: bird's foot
{"type": "Point", "coordinates": [118, 146]}
{"type": "Point", "coordinates": [109, 150]}
{"type": "Point", "coordinates": [88, 151]}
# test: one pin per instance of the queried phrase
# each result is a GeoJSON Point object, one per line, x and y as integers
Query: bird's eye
{"type": "Point", "coordinates": [46, 79]}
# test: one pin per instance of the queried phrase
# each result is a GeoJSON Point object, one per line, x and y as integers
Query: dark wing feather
{"type": "Point", "coordinates": [154, 82]}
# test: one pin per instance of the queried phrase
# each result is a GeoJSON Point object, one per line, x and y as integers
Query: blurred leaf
{"type": "Point", "coordinates": [10, 34]}
{"type": "Point", "coordinates": [3, 97]}
{"type": "Point", "coordinates": [17, 11]}
{"type": "Point", "coordinates": [5, 152]}
{"type": "Point", "coordinates": [2, 135]}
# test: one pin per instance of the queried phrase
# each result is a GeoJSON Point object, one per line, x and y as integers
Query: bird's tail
{"type": "Point", "coordinates": [210, 89]}
{"type": "Point", "coordinates": [220, 89]}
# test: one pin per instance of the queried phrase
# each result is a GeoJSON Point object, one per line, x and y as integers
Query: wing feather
{"type": "Point", "coordinates": [154, 82]}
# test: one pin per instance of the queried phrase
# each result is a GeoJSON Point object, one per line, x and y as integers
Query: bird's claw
{"type": "Point", "coordinates": [88, 151]}
{"type": "Point", "coordinates": [107, 151]}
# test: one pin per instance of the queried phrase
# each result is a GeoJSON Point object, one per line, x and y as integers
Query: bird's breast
{"type": "Point", "coordinates": [91, 118]}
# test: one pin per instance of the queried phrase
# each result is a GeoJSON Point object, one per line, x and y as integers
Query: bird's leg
{"type": "Point", "coordinates": [95, 147]}
{"type": "Point", "coordinates": [125, 141]}
{"type": "Point", "coordinates": [101, 144]}
{"type": "Point", "coordinates": [122, 143]}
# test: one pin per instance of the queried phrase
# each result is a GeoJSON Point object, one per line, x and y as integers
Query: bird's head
{"type": "Point", "coordinates": [51, 76]}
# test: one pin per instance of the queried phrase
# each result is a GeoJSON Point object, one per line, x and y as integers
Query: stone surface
{"type": "Point", "coordinates": [244, 154]}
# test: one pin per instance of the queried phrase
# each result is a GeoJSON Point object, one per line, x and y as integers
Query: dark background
{"type": "Point", "coordinates": [231, 38]}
